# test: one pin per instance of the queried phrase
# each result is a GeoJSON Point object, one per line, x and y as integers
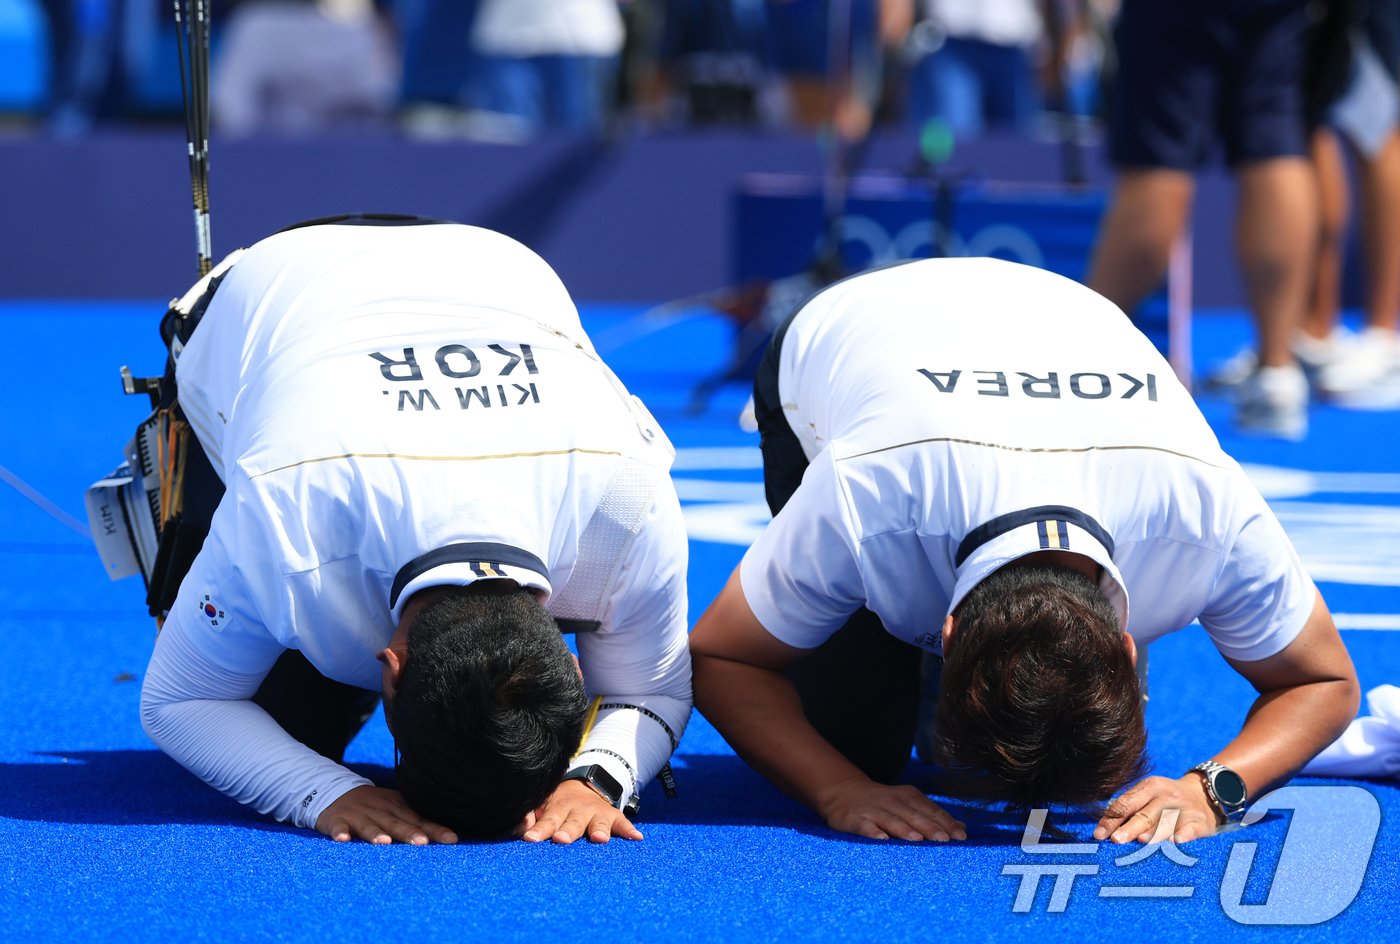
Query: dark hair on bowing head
{"type": "Point", "coordinates": [1040, 703]}
{"type": "Point", "coordinates": [488, 709]}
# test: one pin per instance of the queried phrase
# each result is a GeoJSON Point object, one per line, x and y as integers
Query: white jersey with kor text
{"type": "Point", "coordinates": [961, 413]}
{"type": "Point", "coordinates": [393, 408]}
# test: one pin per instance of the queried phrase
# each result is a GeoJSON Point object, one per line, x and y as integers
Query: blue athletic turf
{"type": "Point", "coordinates": [104, 838]}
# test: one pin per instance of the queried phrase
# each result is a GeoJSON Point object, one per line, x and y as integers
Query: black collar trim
{"type": "Point", "coordinates": [485, 559]}
{"type": "Point", "coordinates": [1043, 514]}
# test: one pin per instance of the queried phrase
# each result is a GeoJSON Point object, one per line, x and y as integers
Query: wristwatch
{"type": "Point", "coordinates": [1225, 789]}
{"type": "Point", "coordinates": [597, 777]}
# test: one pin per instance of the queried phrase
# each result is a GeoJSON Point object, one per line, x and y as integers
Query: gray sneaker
{"type": "Point", "coordinates": [1313, 354]}
{"type": "Point", "coordinates": [1230, 373]}
{"type": "Point", "coordinates": [1367, 374]}
{"type": "Point", "coordinates": [1274, 402]}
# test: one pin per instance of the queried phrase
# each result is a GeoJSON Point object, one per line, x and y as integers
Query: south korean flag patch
{"type": "Point", "coordinates": [212, 612]}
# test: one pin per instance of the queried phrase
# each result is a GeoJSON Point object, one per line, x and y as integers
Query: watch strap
{"type": "Point", "coordinates": [607, 786]}
{"type": "Point", "coordinates": [1208, 770]}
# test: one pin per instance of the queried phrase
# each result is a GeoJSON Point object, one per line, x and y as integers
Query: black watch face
{"type": "Point", "coordinates": [1229, 788]}
{"type": "Point", "coordinates": [606, 782]}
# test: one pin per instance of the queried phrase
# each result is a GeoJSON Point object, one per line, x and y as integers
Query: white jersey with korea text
{"type": "Point", "coordinates": [961, 413]}
{"type": "Point", "coordinates": [391, 408]}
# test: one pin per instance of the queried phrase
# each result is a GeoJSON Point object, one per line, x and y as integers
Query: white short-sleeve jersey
{"type": "Point", "coordinates": [961, 413]}
{"type": "Point", "coordinates": [397, 407]}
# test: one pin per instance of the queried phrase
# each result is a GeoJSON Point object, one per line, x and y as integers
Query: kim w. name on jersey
{"type": "Point", "coordinates": [432, 371]}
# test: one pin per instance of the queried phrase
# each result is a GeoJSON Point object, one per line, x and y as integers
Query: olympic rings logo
{"type": "Point", "coordinates": [867, 243]}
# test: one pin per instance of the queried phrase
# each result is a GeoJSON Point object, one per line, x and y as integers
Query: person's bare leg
{"type": "Point", "coordinates": [812, 101]}
{"type": "Point", "coordinates": [1148, 212]}
{"type": "Point", "coordinates": [1276, 230]}
{"type": "Point", "coordinates": [1333, 203]}
{"type": "Point", "coordinates": [1380, 219]}
{"type": "Point", "coordinates": [1368, 372]}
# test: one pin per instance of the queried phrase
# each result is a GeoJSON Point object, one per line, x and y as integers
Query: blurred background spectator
{"type": "Point", "coordinates": [510, 69]}
{"type": "Point", "coordinates": [1194, 77]}
{"type": "Point", "coordinates": [980, 64]}
{"type": "Point", "coordinates": [547, 64]}
{"type": "Point", "coordinates": [697, 62]}
{"type": "Point", "coordinates": [102, 57]}
{"type": "Point", "coordinates": [831, 55]}
{"type": "Point", "coordinates": [974, 64]}
{"type": "Point", "coordinates": [304, 67]}
{"type": "Point", "coordinates": [1360, 124]}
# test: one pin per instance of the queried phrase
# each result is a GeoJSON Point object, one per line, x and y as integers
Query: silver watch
{"type": "Point", "coordinates": [1225, 789]}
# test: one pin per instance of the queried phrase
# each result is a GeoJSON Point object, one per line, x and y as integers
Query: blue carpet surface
{"type": "Point", "coordinates": [103, 838]}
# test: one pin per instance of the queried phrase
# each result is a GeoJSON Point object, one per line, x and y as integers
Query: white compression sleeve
{"type": "Point", "coordinates": [200, 715]}
{"type": "Point", "coordinates": [631, 740]}
{"type": "Point", "coordinates": [641, 661]}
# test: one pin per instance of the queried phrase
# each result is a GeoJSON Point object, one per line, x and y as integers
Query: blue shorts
{"type": "Point", "coordinates": [1382, 29]}
{"type": "Point", "coordinates": [1192, 73]}
{"type": "Point", "coordinates": [689, 27]}
{"type": "Point", "coordinates": [799, 33]}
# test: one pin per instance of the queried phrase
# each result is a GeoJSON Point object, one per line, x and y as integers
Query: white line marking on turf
{"type": "Point", "coordinates": [637, 327]}
{"type": "Point", "coordinates": [48, 507]}
{"type": "Point", "coordinates": [738, 523]}
{"type": "Point", "coordinates": [1343, 543]}
{"type": "Point", "coordinates": [699, 490]}
{"type": "Point", "coordinates": [718, 457]}
{"type": "Point", "coordinates": [1278, 482]}
{"type": "Point", "coordinates": [1384, 622]}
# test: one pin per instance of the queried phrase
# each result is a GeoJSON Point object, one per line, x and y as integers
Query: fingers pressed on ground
{"type": "Point", "coordinates": [866, 827]}
{"type": "Point", "coordinates": [930, 818]}
{"type": "Point", "coordinates": [1188, 832]}
{"type": "Point", "coordinates": [1140, 824]}
{"type": "Point", "coordinates": [901, 827]}
{"type": "Point", "coordinates": [544, 828]}
{"type": "Point", "coordinates": [931, 827]}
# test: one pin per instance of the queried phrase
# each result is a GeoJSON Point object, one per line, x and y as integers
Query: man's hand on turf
{"type": "Point", "coordinates": [575, 810]}
{"type": "Point", "coordinates": [877, 811]}
{"type": "Point", "coordinates": [380, 816]}
{"type": "Point", "coordinates": [1158, 809]}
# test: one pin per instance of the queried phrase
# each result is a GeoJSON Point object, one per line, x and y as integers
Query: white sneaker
{"type": "Point", "coordinates": [748, 417]}
{"type": "Point", "coordinates": [1274, 402]}
{"type": "Point", "coordinates": [1369, 369]}
{"type": "Point", "coordinates": [1234, 371]}
{"type": "Point", "coordinates": [1313, 355]}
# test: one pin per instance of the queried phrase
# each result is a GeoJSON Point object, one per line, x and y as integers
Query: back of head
{"type": "Point", "coordinates": [1040, 703]}
{"type": "Point", "coordinates": [488, 709]}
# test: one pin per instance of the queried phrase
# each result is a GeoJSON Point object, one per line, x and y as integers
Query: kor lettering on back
{"type": "Point", "coordinates": [1050, 385]}
{"type": "Point", "coordinates": [459, 362]}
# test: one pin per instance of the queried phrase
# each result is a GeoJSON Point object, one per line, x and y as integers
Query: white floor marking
{"type": "Point", "coordinates": [1383, 622]}
{"type": "Point", "coordinates": [717, 457]}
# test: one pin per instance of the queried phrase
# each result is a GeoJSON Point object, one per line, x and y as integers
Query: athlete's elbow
{"type": "Point", "coordinates": [1347, 700]}
{"type": "Point", "coordinates": [1337, 707]}
{"type": "Point", "coordinates": [153, 715]}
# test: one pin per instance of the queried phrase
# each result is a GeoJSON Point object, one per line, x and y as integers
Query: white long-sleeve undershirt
{"type": "Point", "coordinates": [200, 715]}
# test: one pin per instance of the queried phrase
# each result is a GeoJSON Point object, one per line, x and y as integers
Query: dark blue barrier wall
{"type": "Point", "coordinates": [645, 219]}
